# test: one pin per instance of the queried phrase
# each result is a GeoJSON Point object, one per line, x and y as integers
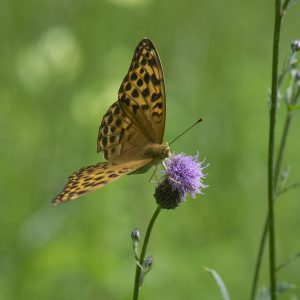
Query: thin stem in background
{"type": "Point", "coordinates": [259, 259]}
{"type": "Point", "coordinates": [266, 225]}
{"type": "Point", "coordinates": [279, 12]}
{"type": "Point", "coordinates": [278, 166]}
{"type": "Point", "coordinates": [143, 253]}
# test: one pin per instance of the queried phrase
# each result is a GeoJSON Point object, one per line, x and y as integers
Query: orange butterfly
{"type": "Point", "coordinates": [131, 132]}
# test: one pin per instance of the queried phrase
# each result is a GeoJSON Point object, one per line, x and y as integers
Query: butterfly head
{"type": "Point", "coordinates": [166, 151]}
{"type": "Point", "coordinates": [158, 151]}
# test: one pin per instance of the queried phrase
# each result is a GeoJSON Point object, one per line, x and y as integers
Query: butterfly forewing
{"type": "Point", "coordinates": [142, 93]}
{"type": "Point", "coordinates": [94, 177]}
{"type": "Point", "coordinates": [140, 117]}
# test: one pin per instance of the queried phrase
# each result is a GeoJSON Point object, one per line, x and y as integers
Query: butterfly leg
{"type": "Point", "coordinates": [174, 180]}
{"type": "Point", "coordinates": [164, 166]}
{"type": "Point", "coordinates": [154, 174]}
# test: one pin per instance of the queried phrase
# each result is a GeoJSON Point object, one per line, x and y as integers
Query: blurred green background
{"type": "Point", "coordinates": [61, 64]}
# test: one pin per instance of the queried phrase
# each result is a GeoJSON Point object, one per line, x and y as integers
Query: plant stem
{"type": "Point", "coordinates": [143, 253]}
{"type": "Point", "coordinates": [259, 258]}
{"type": "Point", "coordinates": [271, 189]}
{"type": "Point", "coordinates": [280, 155]}
{"type": "Point", "coordinates": [266, 225]}
{"type": "Point", "coordinates": [277, 171]}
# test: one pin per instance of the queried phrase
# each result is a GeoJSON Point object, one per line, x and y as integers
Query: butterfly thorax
{"type": "Point", "coordinates": [157, 151]}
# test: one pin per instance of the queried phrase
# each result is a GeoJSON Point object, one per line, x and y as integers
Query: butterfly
{"type": "Point", "coordinates": [131, 132]}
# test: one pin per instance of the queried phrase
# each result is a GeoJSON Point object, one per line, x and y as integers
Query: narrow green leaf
{"type": "Point", "coordinates": [293, 107]}
{"type": "Point", "coordinates": [281, 287]}
{"type": "Point", "coordinates": [219, 282]}
{"type": "Point", "coordinates": [284, 286]}
{"type": "Point", "coordinates": [289, 260]}
{"type": "Point", "coordinates": [289, 187]}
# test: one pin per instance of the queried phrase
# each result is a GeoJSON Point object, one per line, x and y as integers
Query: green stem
{"type": "Point", "coordinates": [276, 177]}
{"type": "Point", "coordinates": [259, 259]}
{"type": "Point", "coordinates": [277, 171]}
{"type": "Point", "coordinates": [271, 189]}
{"type": "Point", "coordinates": [143, 253]}
{"type": "Point", "coordinates": [285, 6]}
{"type": "Point", "coordinates": [282, 148]}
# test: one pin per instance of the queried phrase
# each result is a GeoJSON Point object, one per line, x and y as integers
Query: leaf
{"type": "Point", "coordinates": [289, 187]}
{"type": "Point", "coordinates": [281, 287]}
{"type": "Point", "coordinates": [289, 260]}
{"type": "Point", "coordinates": [219, 282]}
{"type": "Point", "coordinates": [293, 107]}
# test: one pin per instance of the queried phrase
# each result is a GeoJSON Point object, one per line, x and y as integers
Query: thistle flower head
{"type": "Point", "coordinates": [183, 175]}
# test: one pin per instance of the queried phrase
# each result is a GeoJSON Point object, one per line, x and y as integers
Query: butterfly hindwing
{"type": "Point", "coordinates": [118, 134]}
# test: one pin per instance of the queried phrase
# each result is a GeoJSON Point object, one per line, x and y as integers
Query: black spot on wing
{"type": "Point", "coordinates": [155, 97]}
{"type": "Point", "coordinates": [112, 138]}
{"type": "Point", "coordinates": [145, 92]}
{"type": "Point", "coordinates": [139, 82]}
{"type": "Point", "coordinates": [143, 61]}
{"type": "Point", "coordinates": [110, 118]}
{"type": "Point", "coordinates": [118, 122]}
{"type": "Point", "coordinates": [104, 141]}
{"type": "Point", "coordinates": [147, 78]}
{"type": "Point", "coordinates": [128, 86]}
{"type": "Point", "coordinates": [154, 80]}
{"type": "Point", "coordinates": [133, 76]}
{"type": "Point", "coordinates": [158, 105]}
{"type": "Point", "coordinates": [135, 93]}
{"type": "Point", "coordinates": [105, 130]}
{"type": "Point", "coordinates": [135, 107]}
{"type": "Point", "coordinates": [112, 175]}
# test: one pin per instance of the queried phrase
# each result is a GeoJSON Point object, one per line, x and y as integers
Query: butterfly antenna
{"type": "Point", "coordinates": [180, 135]}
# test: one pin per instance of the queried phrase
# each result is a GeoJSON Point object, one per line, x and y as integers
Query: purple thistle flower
{"type": "Point", "coordinates": [183, 175]}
